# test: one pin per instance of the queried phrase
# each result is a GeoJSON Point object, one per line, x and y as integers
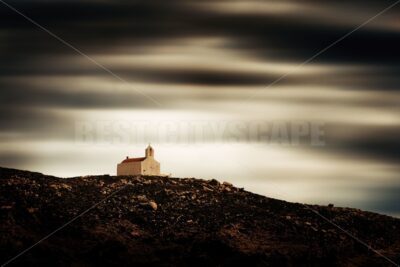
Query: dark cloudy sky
{"type": "Point", "coordinates": [153, 70]}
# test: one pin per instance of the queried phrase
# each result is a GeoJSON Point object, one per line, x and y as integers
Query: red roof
{"type": "Point", "coordinates": [133, 160]}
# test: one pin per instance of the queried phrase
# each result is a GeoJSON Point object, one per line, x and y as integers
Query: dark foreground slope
{"type": "Point", "coordinates": [159, 221]}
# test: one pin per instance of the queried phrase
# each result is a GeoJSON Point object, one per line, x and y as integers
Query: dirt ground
{"type": "Point", "coordinates": [160, 221]}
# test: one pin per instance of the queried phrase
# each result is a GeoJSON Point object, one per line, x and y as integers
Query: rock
{"type": "Point", "coordinates": [205, 188]}
{"type": "Point", "coordinates": [32, 210]}
{"type": "Point", "coordinates": [214, 182]}
{"type": "Point", "coordinates": [135, 233]}
{"type": "Point", "coordinates": [54, 186]}
{"type": "Point", "coordinates": [330, 205]}
{"type": "Point", "coordinates": [167, 191]}
{"type": "Point", "coordinates": [227, 189]}
{"type": "Point", "coordinates": [60, 186]}
{"type": "Point", "coordinates": [142, 198]}
{"type": "Point", "coordinates": [227, 184]}
{"type": "Point", "coordinates": [66, 186]}
{"type": "Point", "coordinates": [153, 205]}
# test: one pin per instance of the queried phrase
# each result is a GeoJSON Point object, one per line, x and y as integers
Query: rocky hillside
{"type": "Point", "coordinates": [159, 221]}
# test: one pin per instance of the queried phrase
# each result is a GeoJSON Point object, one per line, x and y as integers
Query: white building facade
{"type": "Point", "coordinates": [140, 166]}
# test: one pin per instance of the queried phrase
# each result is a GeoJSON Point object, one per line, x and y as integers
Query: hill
{"type": "Point", "coordinates": [159, 221]}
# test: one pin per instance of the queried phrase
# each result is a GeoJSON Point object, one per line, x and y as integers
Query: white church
{"type": "Point", "coordinates": [140, 166]}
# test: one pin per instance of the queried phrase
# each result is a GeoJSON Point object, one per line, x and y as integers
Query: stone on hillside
{"type": "Point", "coordinates": [153, 205]}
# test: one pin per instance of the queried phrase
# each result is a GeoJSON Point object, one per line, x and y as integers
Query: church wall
{"type": "Point", "coordinates": [129, 168]}
{"type": "Point", "coordinates": [150, 166]}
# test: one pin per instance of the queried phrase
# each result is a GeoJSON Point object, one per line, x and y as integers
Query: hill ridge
{"type": "Point", "coordinates": [178, 222]}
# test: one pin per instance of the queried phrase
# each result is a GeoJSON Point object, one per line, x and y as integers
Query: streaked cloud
{"type": "Point", "coordinates": [209, 61]}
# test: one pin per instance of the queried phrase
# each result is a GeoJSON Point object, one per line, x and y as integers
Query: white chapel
{"type": "Point", "coordinates": [140, 166]}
